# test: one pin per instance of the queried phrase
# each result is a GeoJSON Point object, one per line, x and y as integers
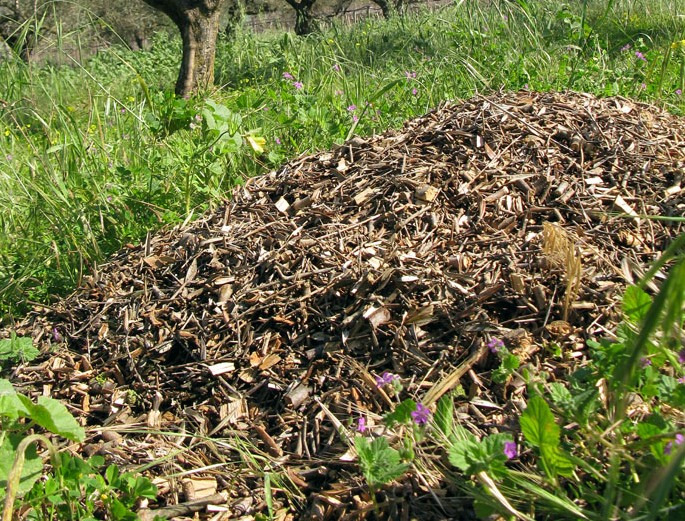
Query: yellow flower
{"type": "Point", "coordinates": [7, 132]}
{"type": "Point", "coordinates": [257, 143]}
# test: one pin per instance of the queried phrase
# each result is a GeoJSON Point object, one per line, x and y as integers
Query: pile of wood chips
{"type": "Point", "coordinates": [517, 215]}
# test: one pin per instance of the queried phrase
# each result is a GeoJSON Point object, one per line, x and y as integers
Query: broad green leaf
{"type": "Point", "coordinates": [560, 395]}
{"type": "Point", "coordinates": [18, 348]}
{"type": "Point", "coordinates": [444, 415]}
{"type": "Point", "coordinates": [33, 465]}
{"type": "Point", "coordinates": [10, 404]}
{"type": "Point", "coordinates": [401, 414]}
{"type": "Point", "coordinates": [538, 425]}
{"type": "Point", "coordinates": [112, 475]}
{"type": "Point", "coordinates": [379, 462]}
{"type": "Point", "coordinates": [465, 455]}
{"type": "Point", "coordinates": [541, 431]}
{"type": "Point", "coordinates": [556, 461]}
{"type": "Point", "coordinates": [53, 416]}
{"type": "Point", "coordinates": [635, 304]}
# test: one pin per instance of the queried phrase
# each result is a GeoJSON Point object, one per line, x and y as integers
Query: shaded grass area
{"type": "Point", "coordinates": [95, 155]}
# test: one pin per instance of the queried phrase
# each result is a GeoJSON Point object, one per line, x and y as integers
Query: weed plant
{"type": "Point", "coordinates": [605, 443]}
{"type": "Point", "coordinates": [94, 155]}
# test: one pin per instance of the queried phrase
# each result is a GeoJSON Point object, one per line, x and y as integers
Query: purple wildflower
{"type": "Point", "coordinates": [681, 356]}
{"type": "Point", "coordinates": [645, 362]}
{"type": "Point", "coordinates": [414, 91]}
{"type": "Point", "coordinates": [643, 86]}
{"type": "Point", "coordinates": [288, 76]}
{"type": "Point", "coordinates": [681, 380]}
{"type": "Point", "coordinates": [352, 108]}
{"type": "Point", "coordinates": [640, 56]}
{"type": "Point", "coordinates": [361, 424]}
{"type": "Point", "coordinates": [336, 67]}
{"type": "Point", "coordinates": [277, 140]}
{"type": "Point", "coordinates": [505, 17]}
{"type": "Point", "coordinates": [495, 344]}
{"type": "Point", "coordinates": [510, 449]}
{"type": "Point", "coordinates": [625, 48]}
{"type": "Point", "coordinates": [421, 414]}
{"type": "Point", "coordinates": [355, 118]}
{"type": "Point", "coordinates": [298, 85]}
{"type": "Point", "coordinates": [56, 336]}
{"type": "Point", "coordinates": [385, 379]}
{"type": "Point", "coordinates": [410, 75]}
{"type": "Point", "coordinates": [679, 439]}
{"type": "Point", "coordinates": [678, 92]}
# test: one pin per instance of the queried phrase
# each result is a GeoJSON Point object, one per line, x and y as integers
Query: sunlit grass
{"type": "Point", "coordinates": [95, 154]}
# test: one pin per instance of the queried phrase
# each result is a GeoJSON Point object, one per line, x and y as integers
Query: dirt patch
{"type": "Point", "coordinates": [516, 216]}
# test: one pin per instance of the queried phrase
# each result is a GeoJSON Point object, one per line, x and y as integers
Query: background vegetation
{"type": "Point", "coordinates": [96, 153]}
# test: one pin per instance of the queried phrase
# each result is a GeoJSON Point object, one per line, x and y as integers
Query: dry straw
{"type": "Point", "coordinates": [563, 254]}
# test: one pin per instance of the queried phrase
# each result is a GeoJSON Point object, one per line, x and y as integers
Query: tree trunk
{"type": "Point", "coordinates": [304, 21]}
{"type": "Point", "coordinates": [386, 6]}
{"type": "Point", "coordinates": [198, 22]}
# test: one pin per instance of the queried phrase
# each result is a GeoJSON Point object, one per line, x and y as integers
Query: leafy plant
{"type": "Point", "coordinates": [541, 431]}
{"type": "Point", "coordinates": [74, 489]}
{"type": "Point", "coordinates": [17, 349]}
{"type": "Point", "coordinates": [379, 462]}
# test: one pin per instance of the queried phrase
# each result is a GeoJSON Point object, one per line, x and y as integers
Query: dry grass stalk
{"type": "Point", "coordinates": [562, 252]}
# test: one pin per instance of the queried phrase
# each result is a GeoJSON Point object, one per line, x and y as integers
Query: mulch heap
{"type": "Point", "coordinates": [516, 216]}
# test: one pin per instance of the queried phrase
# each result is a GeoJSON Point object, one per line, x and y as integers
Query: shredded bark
{"type": "Point", "coordinates": [519, 216]}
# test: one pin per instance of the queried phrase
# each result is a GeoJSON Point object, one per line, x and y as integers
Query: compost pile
{"type": "Point", "coordinates": [514, 216]}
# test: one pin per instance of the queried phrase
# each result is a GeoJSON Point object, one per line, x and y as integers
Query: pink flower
{"type": "Point", "coordinates": [288, 76]}
{"type": "Point", "coordinates": [625, 48]}
{"type": "Point", "coordinates": [510, 449]}
{"type": "Point", "coordinates": [679, 439]}
{"type": "Point", "coordinates": [336, 67]}
{"type": "Point", "coordinates": [352, 108]}
{"type": "Point", "coordinates": [298, 85]}
{"type": "Point", "coordinates": [410, 75]}
{"type": "Point", "coordinates": [361, 424]}
{"type": "Point", "coordinates": [640, 56]}
{"type": "Point", "coordinates": [355, 118]}
{"type": "Point", "coordinates": [421, 415]}
{"type": "Point", "coordinates": [645, 362]}
{"type": "Point", "coordinates": [338, 93]}
{"type": "Point", "coordinates": [385, 379]}
{"type": "Point", "coordinates": [678, 92]}
{"type": "Point", "coordinates": [495, 344]}
{"type": "Point", "coordinates": [414, 91]}
{"type": "Point", "coordinates": [277, 141]}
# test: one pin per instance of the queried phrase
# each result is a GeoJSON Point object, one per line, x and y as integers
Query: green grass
{"type": "Point", "coordinates": [95, 154]}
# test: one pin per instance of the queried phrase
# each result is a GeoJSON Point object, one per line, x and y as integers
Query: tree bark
{"type": "Point", "coordinates": [387, 7]}
{"type": "Point", "coordinates": [304, 21]}
{"type": "Point", "coordinates": [198, 22]}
